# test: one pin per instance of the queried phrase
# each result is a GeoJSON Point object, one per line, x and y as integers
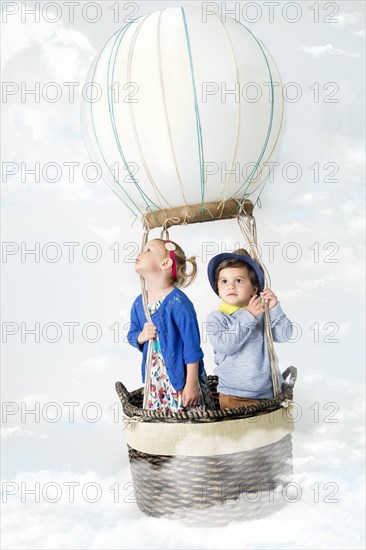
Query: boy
{"type": "Point", "coordinates": [236, 329]}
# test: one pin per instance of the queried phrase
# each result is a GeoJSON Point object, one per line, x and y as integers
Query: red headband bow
{"type": "Point", "coordinates": [170, 248]}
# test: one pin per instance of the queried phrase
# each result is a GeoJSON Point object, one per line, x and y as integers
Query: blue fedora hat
{"type": "Point", "coordinates": [216, 260]}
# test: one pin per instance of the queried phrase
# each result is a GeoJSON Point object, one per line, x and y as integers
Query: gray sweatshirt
{"type": "Point", "coordinates": [241, 353]}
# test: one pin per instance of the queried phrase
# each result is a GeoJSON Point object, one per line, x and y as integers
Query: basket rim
{"type": "Point", "coordinates": [264, 406]}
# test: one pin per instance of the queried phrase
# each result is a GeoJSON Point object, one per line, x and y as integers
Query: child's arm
{"type": "Point", "coordinates": [191, 393]}
{"type": "Point", "coordinates": [186, 320]}
{"type": "Point", "coordinates": [227, 334]}
{"type": "Point", "coordinates": [281, 326]}
{"type": "Point", "coordinates": [135, 329]}
{"type": "Point", "coordinates": [147, 333]}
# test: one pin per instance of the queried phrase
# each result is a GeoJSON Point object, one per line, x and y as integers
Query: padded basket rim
{"type": "Point", "coordinates": [264, 406]}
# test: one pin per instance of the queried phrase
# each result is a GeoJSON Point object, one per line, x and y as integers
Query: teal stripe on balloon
{"type": "Point", "coordinates": [251, 175]}
{"type": "Point", "coordinates": [111, 69]}
{"type": "Point", "coordinates": [197, 114]}
{"type": "Point", "coordinates": [96, 135]}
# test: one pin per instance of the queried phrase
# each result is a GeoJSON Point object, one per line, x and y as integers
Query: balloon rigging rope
{"type": "Point", "coordinates": [95, 135]}
{"type": "Point", "coordinates": [165, 236]}
{"type": "Point", "coordinates": [198, 121]}
{"type": "Point", "coordinates": [225, 188]}
{"type": "Point", "coordinates": [249, 231]}
{"type": "Point", "coordinates": [166, 113]}
{"type": "Point", "coordinates": [145, 238]}
{"type": "Point", "coordinates": [158, 194]}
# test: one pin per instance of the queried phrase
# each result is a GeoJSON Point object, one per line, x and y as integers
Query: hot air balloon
{"type": "Point", "coordinates": [184, 125]}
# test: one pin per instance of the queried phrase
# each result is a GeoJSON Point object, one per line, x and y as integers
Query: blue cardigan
{"type": "Point", "coordinates": [178, 333]}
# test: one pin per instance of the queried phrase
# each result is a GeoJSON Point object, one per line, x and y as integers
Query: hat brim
{"type": "Point", "coordinates": [216, 260]}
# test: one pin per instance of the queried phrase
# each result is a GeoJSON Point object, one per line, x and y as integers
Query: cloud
{"type": "Point", "coordinates": [104, 233]}
{"type": "Point", "coordinates": [68, 55]}
{"type": "Point", "coordinates": [17, 431]}
{"type": "Point", "coordinates": [32, 398]}
{"type": "Point", "coordinates": [290, 229]}
{"type": "Point", "coordinates": [326, 50]}
{"type": "Point", "coordinates": [293, 294]}
{"type": "Point", "coordinates": [350, 213]}
{"type": "Point", "coordinates": [316, 284]}
{"type": "Point", "coordinates": [315, 197]}
{"type": "Point", "coordinates": [310, 289]}
{"type": "Point", "coordinates": [355, 154]}
{"type": "Point", "coordinates": [345, 19]}
{"type": "Point", "coordinates": [58, 44]}
{"type": "Point", "coordinates": [113, 521]}
{"type": "Point", "coordinates": [21, 36]}
{"type": "Point", "coordinates": [360, 33]}
{"type": "Point", "coordinates": [96, 363]}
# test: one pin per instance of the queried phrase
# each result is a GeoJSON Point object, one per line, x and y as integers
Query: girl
{"type": "Point", "coordinates": [178, 377]}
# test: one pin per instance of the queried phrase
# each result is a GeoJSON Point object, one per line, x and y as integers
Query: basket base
{"type": "Point", "coordinates": [213, 490]}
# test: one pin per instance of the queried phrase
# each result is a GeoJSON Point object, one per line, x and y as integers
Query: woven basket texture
{"type": "Point", "coordinates": [211, 490]}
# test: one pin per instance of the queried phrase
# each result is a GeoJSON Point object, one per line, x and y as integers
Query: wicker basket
{"type": "Point", "coordinates": [213, 466]}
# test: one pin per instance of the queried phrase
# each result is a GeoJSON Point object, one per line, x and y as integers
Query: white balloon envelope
{"type": "Point", "coordinates": [184, 112]}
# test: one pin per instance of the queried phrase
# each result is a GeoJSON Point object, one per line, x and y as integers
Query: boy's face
{"type": "Point", "coordinates": [234, 286]}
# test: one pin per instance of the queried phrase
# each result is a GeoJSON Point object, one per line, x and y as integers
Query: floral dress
{"type": "Point", "coordinates": [162, 395]}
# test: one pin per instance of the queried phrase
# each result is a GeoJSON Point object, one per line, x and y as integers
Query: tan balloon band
{"type": "Point", "coordinates": [196, 213]}
{"type": "Point", "coordinates": [209, 439]}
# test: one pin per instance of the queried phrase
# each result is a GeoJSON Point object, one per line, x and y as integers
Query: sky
{"type": "Point", "coordinates": [61, 421]}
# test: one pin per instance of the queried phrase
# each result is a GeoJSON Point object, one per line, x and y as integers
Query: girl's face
{"type": "Point", "coordinates": [235, 287]}
{"type": "Point", "coordinates": [152, 259]}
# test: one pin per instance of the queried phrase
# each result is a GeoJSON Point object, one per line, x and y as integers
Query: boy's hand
{"type": "Point", "coordinates": [255, 306]}
{"type": "Point", "coordinates": [190, 394]}
{"type": "Point", "coordinates": [147, 333]}
{"type": "Point", "coordinates": [270, 298]}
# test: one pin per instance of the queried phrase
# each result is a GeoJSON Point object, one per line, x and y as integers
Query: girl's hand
{"type": "Point", "coordinates": [190, 394]}
{"type": "Point", "coordinates": [255, 306]}
{"type": "Point", "coordinates": [270, 298]}
{"type": "Point", "coordinates": [147, 333]}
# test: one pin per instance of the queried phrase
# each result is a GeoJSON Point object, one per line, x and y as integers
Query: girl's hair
{"type": "Point", "coordinates": [237, 263]}
{"type": "Point", "coordinates": [184, 278]}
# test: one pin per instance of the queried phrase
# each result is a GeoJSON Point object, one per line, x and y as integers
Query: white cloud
{"type": "Point", "coordinates": [124, 313]}
{"type": "Point", "coordinates": [104, 233]}
{"type": "Point", "coordinates": [114, 521]}
{"type": "Point", "coordinates": [347, 18]}
{"type": "Point", "coordinates": [289, 229]}
{"type": "Point", "coordinates": [60, 46]}
{"type": "Point", "coordinates": [68, 56]}
{"type": "Point", "coordinates": [350, 214]}
{"type": "Point", "coordinates": [316, 284]}
{"type": "Point", "coordinates": [328, 211]}
{"type": "Point", "coordinates": [360, 33]}
{"type": "Point", "coordinates": [32, 398]}
{"type": "Point", "coordinates": [355, 154]}
{"type": "Point", "coordinates": [17, 431]}
{"type": "Point", "coordinates": [20, 36]}
{"type": "Point", "coordinates": [315, 197]}
{"type": "Point", "coordinates": [294, 294]}
{"type": "Point", "coordinates": [96, 363]}
{"type": "Point", "coordinates": [356, 224]}
{"type": "Point", "coordinates": [327, 49]}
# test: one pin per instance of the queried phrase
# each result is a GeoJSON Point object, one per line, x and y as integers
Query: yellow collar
{"type": "Point", "coordinates": [228, 308]}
